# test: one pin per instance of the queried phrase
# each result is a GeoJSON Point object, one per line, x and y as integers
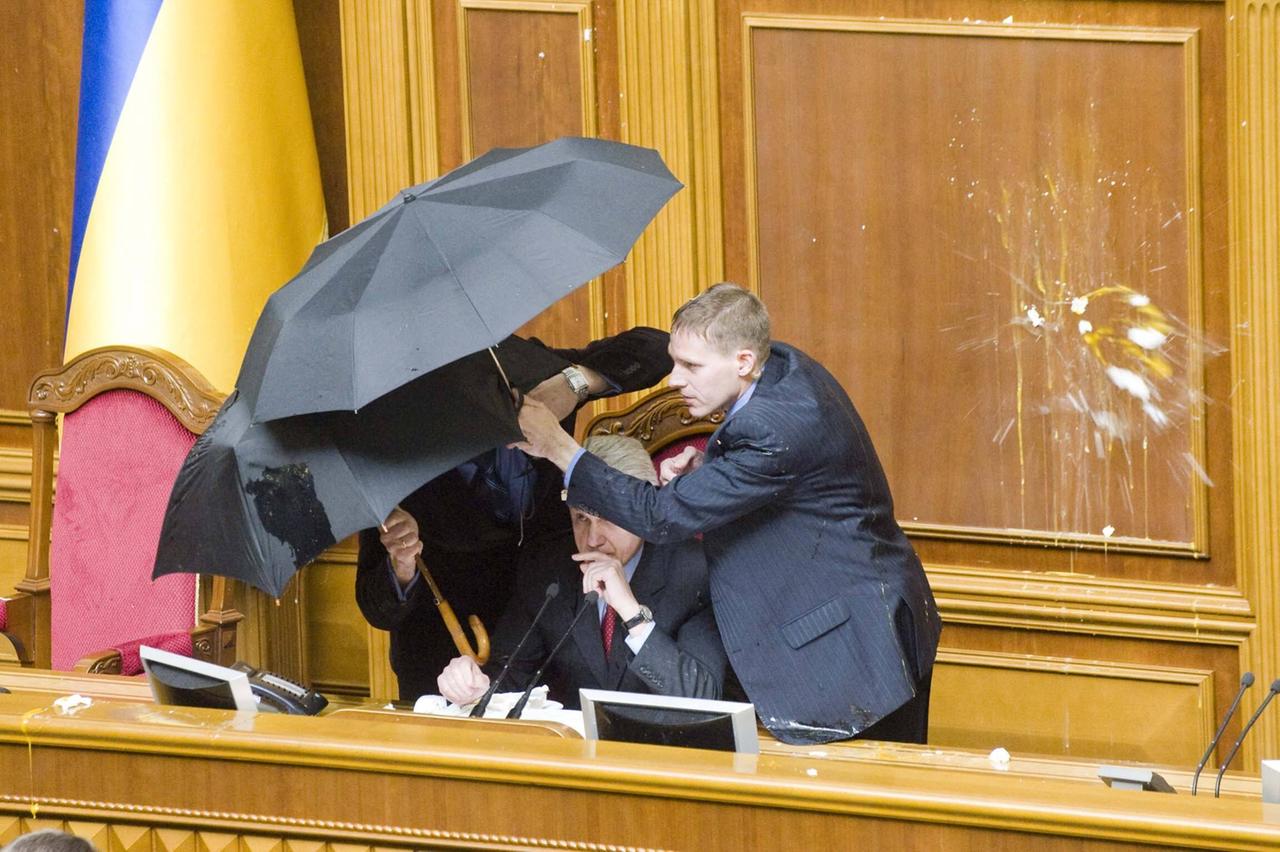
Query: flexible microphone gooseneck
{"type": "Point", "coordinates": [1245, 683]}
{"type": "Point", "coordinates": [1271, 693]}
{"type": "Point", "coordinates": [589, 601]}
{"type": "Point", "coordinates": [483, 704]}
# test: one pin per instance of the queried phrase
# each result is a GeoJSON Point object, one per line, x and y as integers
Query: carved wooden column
{"type": "Point", "coordinates": [1253, 94]}
{"type": "Point", "coordinates": [668, 79]}
{"type": "Point", "coordinates": [389, 90]}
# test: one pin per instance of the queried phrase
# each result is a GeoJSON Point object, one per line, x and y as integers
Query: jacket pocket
{"type": "Point", "coordinates": [803, 629]}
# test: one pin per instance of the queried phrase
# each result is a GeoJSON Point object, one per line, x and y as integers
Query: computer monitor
{"type": "Point", "coordinates": [669, 720]}
{"type": "Point", "coordinates": [186, 682]}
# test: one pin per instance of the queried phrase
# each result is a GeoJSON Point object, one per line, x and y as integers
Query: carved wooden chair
{"type": "Point", "coordinates": [87, 601]}
{"type": "Point", "coordinates": [661, 421]}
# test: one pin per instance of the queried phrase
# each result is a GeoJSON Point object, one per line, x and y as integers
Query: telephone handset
{"type": "Point", "coordinates": [281, 694]}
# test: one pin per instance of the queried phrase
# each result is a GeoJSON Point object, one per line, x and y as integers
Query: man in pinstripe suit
{"type": "Point", "coordinates": [822, 604]}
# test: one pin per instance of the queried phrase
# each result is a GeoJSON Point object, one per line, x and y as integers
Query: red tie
{"type": "Point", "coordinates": [606, 628]}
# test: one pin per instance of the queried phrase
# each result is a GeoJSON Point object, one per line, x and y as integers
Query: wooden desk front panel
{"type": "Point", "coordinates": [123, 767]}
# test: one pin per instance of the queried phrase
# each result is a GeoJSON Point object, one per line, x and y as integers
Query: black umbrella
{"type": "Point", "coordinates": [448, 268]}
{"type": "Point", "coordinates": [258, 501]}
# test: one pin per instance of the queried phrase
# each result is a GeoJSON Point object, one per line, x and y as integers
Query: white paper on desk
{"type": "Point", "coordinates": [438, 705]}
{"type": "Point", "coordinates": [546, 710]}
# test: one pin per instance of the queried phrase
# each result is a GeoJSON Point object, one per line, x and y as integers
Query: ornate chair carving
{"type": "Point", "coordinates": [661, 421]}
{"type": "Point", "coordinates": [87, 600]}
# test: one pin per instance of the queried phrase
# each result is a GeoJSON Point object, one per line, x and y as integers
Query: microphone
{"type": "Point", "coordinates": [1245, 683]}
{"type": "Point", "coordinates": [483, 704]}
{"type": "Point", "coordinates": [588, 605]}
{"type": "Point", "coordinates": [1271, 693]}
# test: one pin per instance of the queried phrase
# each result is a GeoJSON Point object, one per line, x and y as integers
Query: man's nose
{"type": "Point", "coordinates": [676, 379]}
{"type": "Point", "coordinates": [595, 535]}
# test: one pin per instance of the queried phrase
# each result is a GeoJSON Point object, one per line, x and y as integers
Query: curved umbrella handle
{"type": "Point", "coordinates": [451, 623]}
{"type": "Point", "coordinates": [482, 639]}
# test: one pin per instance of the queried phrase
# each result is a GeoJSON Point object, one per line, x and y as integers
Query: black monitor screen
{"type": "Point", "coordinates": [664, 726]}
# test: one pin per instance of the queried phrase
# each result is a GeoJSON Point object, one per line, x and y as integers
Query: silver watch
{"type": "Point", "coordinates": [577, 382]}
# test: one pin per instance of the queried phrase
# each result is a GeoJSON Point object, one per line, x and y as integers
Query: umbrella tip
{"type": "Point", "coordinates": [407, 197]}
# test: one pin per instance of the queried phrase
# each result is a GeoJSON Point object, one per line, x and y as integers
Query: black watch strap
{"type": "Point", "coordinates": [645, 614]}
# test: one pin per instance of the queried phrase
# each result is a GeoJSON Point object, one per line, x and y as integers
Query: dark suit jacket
{"type": "Point", "coordinates": [824, 608]}
{"type": "Point", "coordinates": [472, 555]}
{"type": "Point", "coordinates": [682, 656]}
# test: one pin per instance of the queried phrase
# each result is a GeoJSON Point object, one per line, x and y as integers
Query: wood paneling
{"type": "Point", "coordinates": [527, 72]}
{"type": "Point", "coordinates": [1021, 211]}
{"type": "Point", "coordinates": [1253, 48]}
{"type": "Point", "coordinates": [320, 39]}
{"type": "Point", "coordinates": [38, 96]}
{"type": "Point", "coordinates": [1052, 705]}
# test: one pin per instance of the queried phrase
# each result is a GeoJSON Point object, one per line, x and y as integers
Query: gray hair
{"type": "Point", "coordinates": [49, 840]}
{"type": "Point", "coordinates": [623, 454]}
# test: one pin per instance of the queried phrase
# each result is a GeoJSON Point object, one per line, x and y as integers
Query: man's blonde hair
{"type": "Point", "coordinates": [728, 317]}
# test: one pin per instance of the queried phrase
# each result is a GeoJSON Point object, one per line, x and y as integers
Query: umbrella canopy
{"type": "Point", "coordinates": [258, 501]}
{"type": "Point", "coordinates": [447, 268]}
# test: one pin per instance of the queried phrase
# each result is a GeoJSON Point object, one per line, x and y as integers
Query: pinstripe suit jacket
{"type": "Point", "coordinates": [822, 604]}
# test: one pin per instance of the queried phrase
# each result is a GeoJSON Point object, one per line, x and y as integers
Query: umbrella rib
{"type": "Point", "coordinates": [426, 231]}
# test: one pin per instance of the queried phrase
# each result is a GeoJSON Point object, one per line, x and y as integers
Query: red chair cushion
{"type": "Point", "coordinates": [675, 448]}
{"type": "Point", "coordinates": [121, 452]}
{"type": "Point", "coordinates": [130, 659]}
{"type": "Point", "coordinates": [4, 613]}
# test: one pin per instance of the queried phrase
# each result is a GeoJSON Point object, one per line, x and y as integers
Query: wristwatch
{"type": "Point", "coordinates": [577, 382]}
{"type": "Point", "coordinates": [645, 614]}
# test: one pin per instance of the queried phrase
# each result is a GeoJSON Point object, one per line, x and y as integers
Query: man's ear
{"type": "Point", "coordinates": [746, 363]}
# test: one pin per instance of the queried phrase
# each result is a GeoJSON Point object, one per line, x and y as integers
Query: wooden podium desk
{"type": "Point", "coordinates": [132, 775]}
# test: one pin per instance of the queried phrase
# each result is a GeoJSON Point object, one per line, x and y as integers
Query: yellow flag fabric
{"type": "Point", "coordinates": [206, 196]}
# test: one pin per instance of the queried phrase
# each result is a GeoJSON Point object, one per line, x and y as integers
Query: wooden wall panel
{"type": "Point", "coordinates": [1052, 705]}
{"type": "Point", "coordinates": [39, 96]}
{"type": "Point", "coordinates": [527, 72]}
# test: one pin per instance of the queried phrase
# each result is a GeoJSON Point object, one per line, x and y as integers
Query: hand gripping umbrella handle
{"type": "Point", "coordinates": [481, 652]}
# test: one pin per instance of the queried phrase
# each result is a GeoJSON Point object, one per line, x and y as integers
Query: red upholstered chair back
{"type": "Point", "coordinates": [661, 421]}
{"type": "Point", "coordinates": [87, 601]}
{"type": "Point", "coordinates": [121, 452]}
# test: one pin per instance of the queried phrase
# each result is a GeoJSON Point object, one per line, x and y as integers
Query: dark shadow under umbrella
{"type": "Point", "coordinates": [256, 501]}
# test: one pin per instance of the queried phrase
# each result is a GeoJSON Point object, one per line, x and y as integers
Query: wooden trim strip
{"type": "Point", "coordinates": [292, 827]}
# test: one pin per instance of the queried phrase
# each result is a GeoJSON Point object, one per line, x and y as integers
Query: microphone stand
{"type": "Point", "coordinates": [1245, 682]}
{"type": "Point", "coordinates": [1271, 693]}
{"type": "Point", "coordinates": [482, 705]}
{"type": "Point", "coordinates": [589, 600]}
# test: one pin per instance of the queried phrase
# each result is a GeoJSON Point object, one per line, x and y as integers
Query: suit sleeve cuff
{"type": "Point", "coordinates": [568, 471]}
{"type": "Point", "coordinates": [402, 592]}
{"type": "Point", "coordinates": [635, 639]}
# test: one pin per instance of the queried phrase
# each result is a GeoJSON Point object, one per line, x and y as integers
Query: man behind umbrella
{"type": "Point", "coordinates": [469, 524]}
{"type": "Point", "coordinates": [825, 611]}
{"type": "Point", "coordinates": [652, 630]}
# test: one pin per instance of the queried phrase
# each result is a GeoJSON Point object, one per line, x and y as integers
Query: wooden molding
{"type": "Point", "coordinates": [247, 828]}
{"type": "Point", "coordinates": [13, 417]}
{"type": "Point", "coordinates": [155, 372]}
{"type": "Point", "coordinates": [671, 106]}
{"type": "Point", "coordinates": [1253, 167]}
{"type": "Point", "coordinates": [1091, 605]}
{"type": "Point", "coordinates": [15, 474]}
{"type": "Point", "coordinates": [389, 97]}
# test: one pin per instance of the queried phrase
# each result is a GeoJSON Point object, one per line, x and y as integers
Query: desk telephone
{"type": "Point", "coordinates": [281, 695]}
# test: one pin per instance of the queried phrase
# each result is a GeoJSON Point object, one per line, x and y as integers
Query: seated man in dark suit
{"type": "Point", "coordinates": [470, 524]}
{"type": "Point", "coordinates": [825, 611]}
{"type": "Point", "coordinates": [653, 632]}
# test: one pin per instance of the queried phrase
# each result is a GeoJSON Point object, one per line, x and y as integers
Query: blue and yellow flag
{"type": "Point", "coordinates": [197, 183]}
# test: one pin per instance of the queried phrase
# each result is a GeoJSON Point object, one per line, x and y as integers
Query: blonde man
{"type": "Point", "coordinates": [652, 631]}
{"type": "Point", "coordinates": [826, 614]}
